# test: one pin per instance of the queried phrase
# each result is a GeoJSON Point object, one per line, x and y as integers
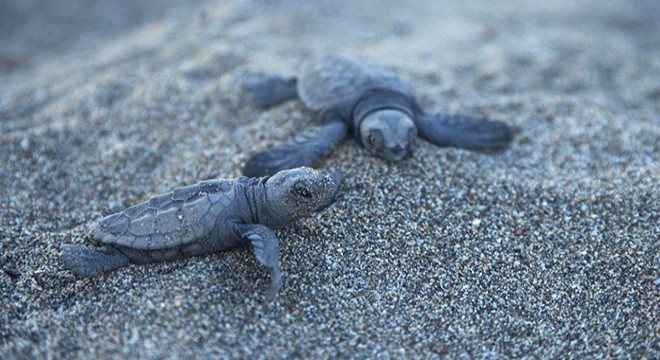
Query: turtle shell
{"type": "Point", "coordinates": [170, 220]}
{"type": "Point", "coordinates": [335, 79]}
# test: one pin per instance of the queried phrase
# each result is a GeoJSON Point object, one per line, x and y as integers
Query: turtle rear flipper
{"type": "Point", "coordinates": [271, 90]}
{"type": "Point", "coordinates": [301, 150]}
{"type": "Point", "coordinates": [86, 261]}
{"type": "Point", "coordinates": [463, 131]}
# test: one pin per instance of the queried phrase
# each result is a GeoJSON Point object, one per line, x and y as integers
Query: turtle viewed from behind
{"type": "Point", "coordinates": [372, 103]}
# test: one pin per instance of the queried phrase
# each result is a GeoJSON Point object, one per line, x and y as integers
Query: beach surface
{"type": "Point", "coordinates": [549, 249]}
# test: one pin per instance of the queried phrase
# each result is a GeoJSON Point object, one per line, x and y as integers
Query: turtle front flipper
{"type": "Point", "coordinates": [463, 131]}
{"type": "Point", "coordinates": [271, 90]}
{"type": "Point", "coordinates": [301, 150]}
{"type": "Point", "coordinates": [267, 250]}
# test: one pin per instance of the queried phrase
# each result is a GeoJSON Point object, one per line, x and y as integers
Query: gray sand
{"type": "Point", "coordinates": [549, 249]}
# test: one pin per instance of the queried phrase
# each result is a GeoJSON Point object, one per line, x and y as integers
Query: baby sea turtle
{"type": "Point", "coordinates": [369, 101]}
{"type": "Point", "coordinates": [210, 216]}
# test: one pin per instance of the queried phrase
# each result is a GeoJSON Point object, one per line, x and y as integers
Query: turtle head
{"type": "Point", "coordinates": [388, 133]}
{"type": "Point", "coordinates": [296, 193]}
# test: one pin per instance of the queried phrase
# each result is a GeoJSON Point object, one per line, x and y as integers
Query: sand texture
{"type": "Point", "coordinates": [549, 249]}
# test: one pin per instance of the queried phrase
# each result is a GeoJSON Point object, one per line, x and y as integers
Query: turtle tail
{"type": "Point", "coordinates": [86, 261]}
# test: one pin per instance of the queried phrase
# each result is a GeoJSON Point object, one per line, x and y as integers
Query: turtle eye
{"type": "Point", "coordinates": [302, 190]}
{"type": "Point", "coordinates": [375, 138]}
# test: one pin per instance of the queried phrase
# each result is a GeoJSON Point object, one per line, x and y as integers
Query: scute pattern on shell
{"type": "Point", "coordinates": [333, 79]}
{"type": "Point", "coordinates": [180, 217]}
